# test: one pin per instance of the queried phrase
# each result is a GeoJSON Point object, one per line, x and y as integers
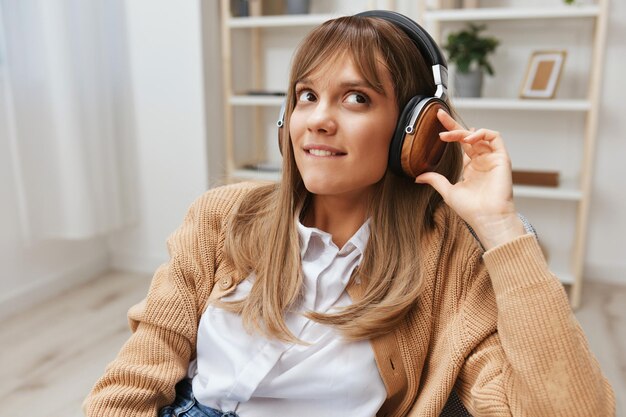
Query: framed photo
{"type": "Point", "coordinates": [543, 74]}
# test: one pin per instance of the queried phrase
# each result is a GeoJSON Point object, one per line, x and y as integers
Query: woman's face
{"type": "Point", "coordinates": [341, 129]}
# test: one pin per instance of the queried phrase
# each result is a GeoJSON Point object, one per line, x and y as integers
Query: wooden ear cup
{"type": "Point", "coordinates": [416, 147]}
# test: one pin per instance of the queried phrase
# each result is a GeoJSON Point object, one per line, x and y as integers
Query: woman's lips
{"type": "Point", "coordinates": [322, 150]}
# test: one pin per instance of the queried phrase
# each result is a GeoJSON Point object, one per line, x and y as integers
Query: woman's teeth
{"type": "Point", "coordinates": [321, 152]}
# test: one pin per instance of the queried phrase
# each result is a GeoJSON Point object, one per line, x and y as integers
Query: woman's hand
{"type": "Point", "coordinates": [484, 195]}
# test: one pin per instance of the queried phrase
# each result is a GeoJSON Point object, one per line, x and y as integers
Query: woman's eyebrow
{"type": "Point", "coordinates": [356, 83]}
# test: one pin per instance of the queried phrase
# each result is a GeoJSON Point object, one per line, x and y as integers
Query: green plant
{"type": "Point", "coordinates": [568, 1]}
{"type": "Point", "coordinates": [467, 47]}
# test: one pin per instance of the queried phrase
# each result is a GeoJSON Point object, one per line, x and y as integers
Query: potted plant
{"type": "Point", "coordinates": [468, 51]}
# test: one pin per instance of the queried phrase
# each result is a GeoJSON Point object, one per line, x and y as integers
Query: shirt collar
{"type": "Point", "coordinates": [358, 240]}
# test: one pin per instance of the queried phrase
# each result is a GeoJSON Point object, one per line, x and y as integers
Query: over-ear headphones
{"type": "Point", "coordinates": [415, 146]}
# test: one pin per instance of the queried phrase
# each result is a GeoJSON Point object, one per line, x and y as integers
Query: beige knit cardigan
{"type": "Point", "coordinates": [496, 327]}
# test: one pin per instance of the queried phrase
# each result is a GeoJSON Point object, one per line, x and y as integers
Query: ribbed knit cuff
{"type": "Point", "coordinates": [517, 264]}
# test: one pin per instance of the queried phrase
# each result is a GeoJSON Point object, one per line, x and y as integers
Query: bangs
{"type": "Point", "coordinates": [348, 37]}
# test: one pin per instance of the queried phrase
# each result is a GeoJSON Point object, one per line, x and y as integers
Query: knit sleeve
{"type": "Point", "coordinates": [142, 378]}
{"type": "Point", "coordinates": [527, 354]}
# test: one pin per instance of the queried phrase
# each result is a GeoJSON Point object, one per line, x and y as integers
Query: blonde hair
{"type": "Point", "coordinates": [262, 236]}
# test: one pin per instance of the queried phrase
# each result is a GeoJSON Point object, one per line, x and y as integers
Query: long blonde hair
{"type": "Point", "coordinates": [262, 236]}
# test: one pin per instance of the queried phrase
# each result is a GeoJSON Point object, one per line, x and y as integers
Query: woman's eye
{"type": "Point", "coordinates": [306, 96]}
{"type": "Point", "coordinates": [357, 98]}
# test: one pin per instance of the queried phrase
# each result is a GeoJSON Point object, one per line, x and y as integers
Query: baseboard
{"type": "Point", "coordinates": [141, 263]}
{"type": "Point", "coordinates": [610, 274]}
{"type": "Point", "coordinates": [51, 286]}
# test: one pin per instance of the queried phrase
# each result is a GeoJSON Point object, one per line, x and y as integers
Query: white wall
{"type": "Point", "coordinates": [166, 64]}
{"type": "Point", "coordinates": [33, 272]}
{"type": "Point", "coordinates": [168, 117]}
{"type": "Point", "coordinates": [606, 254]}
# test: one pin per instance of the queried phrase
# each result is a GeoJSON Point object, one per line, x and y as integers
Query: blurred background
{"type": "Point", "coordinates": [105, 135]}
{"type": "Point", "coordinates": [116, 114]}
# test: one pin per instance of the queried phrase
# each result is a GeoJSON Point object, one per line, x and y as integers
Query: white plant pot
{"type": "Point", "coordinates": [468, 84]}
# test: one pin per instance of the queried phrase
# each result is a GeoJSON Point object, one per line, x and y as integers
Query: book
{"type": "Point", "coordinates": [540, 178]}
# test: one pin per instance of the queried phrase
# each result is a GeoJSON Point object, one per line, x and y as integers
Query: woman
{"type": "Point", "coordinates": [347, 289]}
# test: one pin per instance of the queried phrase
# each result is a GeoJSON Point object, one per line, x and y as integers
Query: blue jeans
{"type": "Point", "coordinates": [185, 405]}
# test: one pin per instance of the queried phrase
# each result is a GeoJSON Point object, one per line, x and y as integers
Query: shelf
{"type": "Point", "coordinates": [460, 15]}
{"type": "Point", "coordinates": [279, 21]}
{"type": "Point", "coordinates": [567, 191]}
{"type": "Point", "coordinates": [259, 100]}
{"type": "Point", "coordinates": [519, 104]}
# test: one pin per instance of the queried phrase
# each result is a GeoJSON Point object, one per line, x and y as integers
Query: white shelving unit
{"type": "Point", "coordinates": [255, 101]}
{"type": "Point", "coordinates": [498, 13]}
{"type": "Point", "coordinates": [506, 104]}
{"type": "Point", "coordinates": [573, 193]}
{"type": "Point", "coordinates": [278, 21]}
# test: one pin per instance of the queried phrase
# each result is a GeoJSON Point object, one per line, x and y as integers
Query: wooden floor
{"type": "Point", "coordinates": [52, 355]}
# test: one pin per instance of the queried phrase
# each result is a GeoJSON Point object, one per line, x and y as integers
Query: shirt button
{"type": "Point", "coordinates": [225, 283]}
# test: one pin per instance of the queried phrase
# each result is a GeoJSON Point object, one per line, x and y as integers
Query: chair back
{"type": "Point", "coordinates": [454, 407]}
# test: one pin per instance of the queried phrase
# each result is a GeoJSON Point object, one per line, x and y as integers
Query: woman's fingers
{"type": "Point", "coordinates": [448, 121]}
{"type": "Point", "coordinates": [457, 133]}
{"type": "Point", "coordinates": [454, 135]}
{"type": "Point", "coordinates": [474, 142]}
{"type": "Point", "coordinates": [481, 134]}
{"type": "Point", "coordinates": [466, 159]}
{"type": "Point", "coordinates": [493, 138]}
{"type": "Point", "coordinates": [437, 181]}
{"type": "Point", "coordinates": [477, 149]}
{"type": "Point", "coordinates": [468, 136]}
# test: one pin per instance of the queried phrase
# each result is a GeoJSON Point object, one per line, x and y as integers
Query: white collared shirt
{"type": "Point", "coordinates": [259, 377]}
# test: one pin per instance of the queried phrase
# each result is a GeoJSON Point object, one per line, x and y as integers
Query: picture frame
{"type": "Point", "coordinates": [543, 74]}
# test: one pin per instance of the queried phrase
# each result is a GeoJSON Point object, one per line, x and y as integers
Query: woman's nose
{"type": "Point", "coordinates": [322, 119]}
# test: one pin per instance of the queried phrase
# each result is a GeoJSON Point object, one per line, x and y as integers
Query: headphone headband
{"type": "Point", "coordinates": [424, 42]}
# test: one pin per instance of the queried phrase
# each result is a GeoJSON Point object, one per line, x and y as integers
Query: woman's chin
{"type": "Point", "coordinates": [318, 187]}
{"type": "Point", "coordinates": [331, 187]}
